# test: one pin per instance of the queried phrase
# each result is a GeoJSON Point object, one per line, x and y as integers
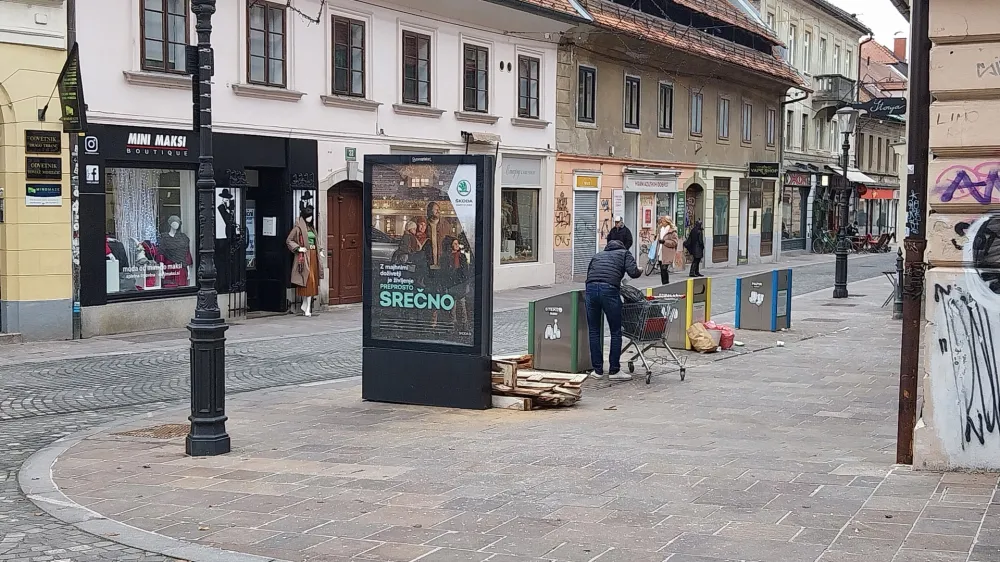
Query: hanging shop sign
{"type": "Point", "coordinates": [43, 195]}
{"type": "Point", "coordinates": [430, 283]}
{"type": "Point", "coordinates": [797, 179]}
{"type": "Point", "coordinates": [882, 108]}
{"type": "Point", "coordinates": [70, 84]}
{"type": "Point", "coordinates": [42, 168]}
{"type": "Point", "coordinates": [42, 142]}
{"type": "Point", "coordinates": [764, 170]}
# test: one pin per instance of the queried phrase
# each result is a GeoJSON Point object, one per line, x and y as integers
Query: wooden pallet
{"type": "Point", "coordinates": [513, 377]}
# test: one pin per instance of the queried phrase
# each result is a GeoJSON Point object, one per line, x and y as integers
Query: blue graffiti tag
{"type": "Point", "coordinates": [981, 191]}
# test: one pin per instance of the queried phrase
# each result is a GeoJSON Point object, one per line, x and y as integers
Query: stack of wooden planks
{"type": "Point", "coordinates": [517, 386]}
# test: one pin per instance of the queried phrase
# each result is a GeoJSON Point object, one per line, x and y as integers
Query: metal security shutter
{"type": "Point", "coordinates": [584, 230]}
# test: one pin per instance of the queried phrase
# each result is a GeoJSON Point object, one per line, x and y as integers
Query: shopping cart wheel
{"type": "Point", "coordinates": [649, 376]}
{"type": "Point", "coordinates": [683, 372]}
{"type": "Point", "coordinates": [631, 367]}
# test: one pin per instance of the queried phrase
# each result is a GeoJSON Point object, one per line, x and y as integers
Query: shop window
{"type": "Point", "coordinates": [266, 44]}
{"type": "Point", "coordinates": [416, 68]}
{"type": "Point", "coordinates": [720, 221]}
{"type": "Point", "coordinates": [348, 57]}
{"type": "Point", "coordinates": [164, 28]}
{"type": "Point", "coordinates": [632, 87]}
{"type": "Point", "coordinates": [518, 225]}
{"type": "Point", "coordinates": [527, 87]}
{"type": "Point", "coordinates": [791, 213]}
{"type": "Point", "coordinates": [587, 95]}
{"type": "Point", "coordinates": [151, 229]}
{"type": "Point", "coordinates": [477, 79]}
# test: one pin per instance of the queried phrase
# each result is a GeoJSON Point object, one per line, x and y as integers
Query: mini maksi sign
{"type": "Point", "coordinates": [156, 144]}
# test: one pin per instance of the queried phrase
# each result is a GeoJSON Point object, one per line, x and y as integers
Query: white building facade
{"type": "Point", "coordinates": [300, 97]}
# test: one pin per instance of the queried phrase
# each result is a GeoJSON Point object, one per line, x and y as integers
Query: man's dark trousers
{"type": "Point", "coordinates": [604, 299]}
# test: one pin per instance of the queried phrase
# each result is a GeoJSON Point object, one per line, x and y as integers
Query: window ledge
{"type": "Point", "coordinates": [266, 92]}
{"type": "Point", "coordinates": [158, 79]}
{"type": "Point", "coordinates": [529, 123]}
{"type": "Point", "coordinates": [630, 131]}
{"type": "Point", "coordinates": [350, 102]}
{"type": "Point", "coordinates": [417, 110]}
{"type": "Point", "coordinates": [665, 135]}
{"type": "Point", "coordinates": [475, 117]}
{"type": "Point", "coordinates": [582, 125]}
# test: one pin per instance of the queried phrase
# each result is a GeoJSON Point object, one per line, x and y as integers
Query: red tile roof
{"type": "Point", "coordinates": [666, 33]}
{"type": "Point", "coordinates": [723, 10]}
{"type": "Point", "coordinates": [878, 53]}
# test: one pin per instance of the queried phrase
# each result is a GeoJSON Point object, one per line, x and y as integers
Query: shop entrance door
{"type": "Point", "coordinates": [267, 282]}
{"type": "Point", "coordinates": [344, 239]}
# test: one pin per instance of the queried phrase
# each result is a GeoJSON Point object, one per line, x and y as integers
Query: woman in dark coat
{"type": "Point", "coordinates": [695, 245]}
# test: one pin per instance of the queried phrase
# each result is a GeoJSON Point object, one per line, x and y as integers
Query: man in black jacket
{"type": "Point", "coordinates": [604, 281]}
{"type": "Point", "coordinates": [621, 233]}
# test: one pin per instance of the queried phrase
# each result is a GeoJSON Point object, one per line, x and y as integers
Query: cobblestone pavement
{"type": "Point", "coordinates": [785, 455]}
{"type": "Point", "coordinates": [42, 401]}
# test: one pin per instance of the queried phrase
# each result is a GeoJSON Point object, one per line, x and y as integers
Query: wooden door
{"type": "Point", "coordinates": [344, 243]}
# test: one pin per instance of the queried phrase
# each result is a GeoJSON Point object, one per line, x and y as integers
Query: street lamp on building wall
{"type": "Point", "coordinates": [847, 120]}
{"type": "Point", "coordinates": [207, 435]}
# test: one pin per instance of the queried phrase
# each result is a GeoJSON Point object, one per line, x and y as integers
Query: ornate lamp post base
{"type": "Point", "coordinates": [208, 435]}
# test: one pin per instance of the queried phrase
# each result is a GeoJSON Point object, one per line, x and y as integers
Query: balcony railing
{"type": "Point", "coordinates": [832, 89]}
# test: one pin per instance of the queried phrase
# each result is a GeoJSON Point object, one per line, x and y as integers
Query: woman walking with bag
{"type": "Point", "coordinates": [667, 242]}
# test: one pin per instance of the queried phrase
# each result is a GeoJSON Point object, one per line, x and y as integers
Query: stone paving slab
{"type": "Point", "coordinates": [784, 454]}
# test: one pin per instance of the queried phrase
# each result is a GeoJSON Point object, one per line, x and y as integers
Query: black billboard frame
{"type": "Point", "coordinates": [433, 374]}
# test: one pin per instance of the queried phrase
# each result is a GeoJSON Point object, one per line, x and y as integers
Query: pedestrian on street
{"type": "Point", "coordinates": [603, 295]}
{"type": "Point", "coordinates": [621, 233]}
{"type": "Point", "coordinates": [666, 241]}
{"type": "Point", "coordinates": [695, 245]}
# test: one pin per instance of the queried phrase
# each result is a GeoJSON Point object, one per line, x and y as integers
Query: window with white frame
{"type": "Point", "coordinates": [527, 86]}
{"type": "Point", "coordinates": [348, 56]}
{"type": "Point", "coordinates": [822, 55]}
{"type": "Point", "coordinates": [792, 32]}
{"type": "Point", "coordinates": [772, 116]}
{"type": "Point", "coordinates": [848, 63]}
{"type": "Point", "coordinates": [632, 87]}
{"type": "Point", "coordinates": [416, 68]}
{"type": "Point", "coordinates": [820, 126]}
{"type": "Point", "coordinates": [770, 20]}
{"type": "Point", "coordinates": [789, 128]}
{"type": "Point", "coordinates": [665, 122]}
{"type": "Point", "coordinates": [836, 59]}
{"type": "Point", "coordinates": [747, 123]}
{"type": "Point", "coordinates": [586, 95]}
{"type": "Point", "coordinates": [723, 118]}
{"type": "Point", "coordinates": [805, 131]}
{"type": "Point", "coordinates": [164, 29]}
{"type": "Point", "coordinates": [697, 103]}
{"type": "Point", "coordinates": [807, 52]}
{"type": "Point", "coordinates": [477, 78]}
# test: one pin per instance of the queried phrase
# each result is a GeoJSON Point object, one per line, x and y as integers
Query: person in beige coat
{"type": "Point", "coordinates": [307, 271]}
{"type": "Point", "coordinates": [667, 241]}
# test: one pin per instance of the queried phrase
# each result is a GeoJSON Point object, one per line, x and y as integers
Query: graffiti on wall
{"type": "Point", "coordinates": [563, 226]}
{"type": "Point", "coordinates": [965, 372]}
{"type": "Point", "coordinates": [967, 184]}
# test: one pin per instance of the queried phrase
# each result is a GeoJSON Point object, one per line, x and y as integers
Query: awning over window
{"type": "Point", "coordinates": [853, 174]}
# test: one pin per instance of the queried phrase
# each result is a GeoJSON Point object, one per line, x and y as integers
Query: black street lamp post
{"type": "Point", "coordinates": [207, 435]}
{"type": "Point", "coordinates": [847, 119]}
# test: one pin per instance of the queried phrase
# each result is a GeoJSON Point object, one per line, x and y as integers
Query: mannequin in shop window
{"type": "Point", "coordinates": [306, 269]}
{"type": "Point", "coordinates": [175, 254]}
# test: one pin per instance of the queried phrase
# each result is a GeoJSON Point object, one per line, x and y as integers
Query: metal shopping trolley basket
{"type": "Point", "coordinates": [646, 324]}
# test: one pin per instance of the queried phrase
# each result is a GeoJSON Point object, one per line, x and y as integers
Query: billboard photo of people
{"type": "Point", "coordinates": [423, 239]}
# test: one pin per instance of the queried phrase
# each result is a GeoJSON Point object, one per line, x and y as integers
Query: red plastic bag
{"type": "Point", "coordinates": [728, 334]}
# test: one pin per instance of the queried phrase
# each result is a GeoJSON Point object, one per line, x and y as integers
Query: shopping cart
{"type": "Point", "coordinates": [646, 325]}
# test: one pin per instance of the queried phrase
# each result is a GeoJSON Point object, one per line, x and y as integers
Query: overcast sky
{"type": "Point", "coordinates": [879, 15]}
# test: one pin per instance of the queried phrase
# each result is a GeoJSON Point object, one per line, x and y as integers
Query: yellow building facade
{"type": "Point", "coordinates": [35, 233]}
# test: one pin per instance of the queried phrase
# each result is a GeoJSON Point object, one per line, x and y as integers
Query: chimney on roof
{"type": "Point", "coordinates": [899, 48]}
